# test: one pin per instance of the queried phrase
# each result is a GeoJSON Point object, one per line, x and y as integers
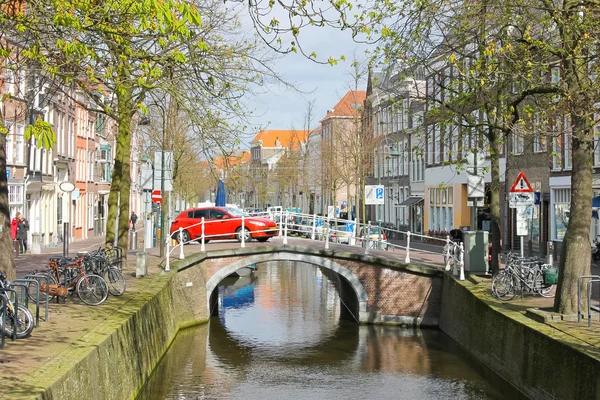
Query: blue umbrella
{"type": "Point", "coordinates": [220, 199]}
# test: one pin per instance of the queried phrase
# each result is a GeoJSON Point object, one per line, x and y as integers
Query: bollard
{"type": "Point", "coordinates": [368, 243]}
{"type": "Point", "coordinates": [407, 258]}
{"type": "Point", "coordinates": [168, 253]}
{"type": "Point", "coordinates": [285, 229]}
{"type": "Point", "coordinates": [314, 227]}
{"type": "Point", "coordinates": [327, 234]}
{"type": "Point", "coordinates": [448, 253]}
{"type": "Point", "coordinates": [141, 266]}
{"type": "Point", "coordinates": [133, 241]}
{"type": "Point", "coordinates": [202, 246]}
{"type": "Point", "coordinates": [462, 262]}
{"type": "Point", "coordinates": [181, 244]}
{"type": "Point", "coordinates": [243, 242]}
{"type": "Point", "coordinates": [353, 237]}
{"type": "Point", "coordinates": [550, 253]}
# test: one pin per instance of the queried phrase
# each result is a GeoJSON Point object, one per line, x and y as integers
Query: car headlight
{"type": "Point", "coordinates": [258, 223]}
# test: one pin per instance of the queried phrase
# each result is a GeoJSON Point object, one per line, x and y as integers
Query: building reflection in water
{"type": "Point", "coordinates": [283, 338]}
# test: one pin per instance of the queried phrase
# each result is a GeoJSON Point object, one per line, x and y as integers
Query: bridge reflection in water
{"type": "Point", "coordinates": [284, 338]}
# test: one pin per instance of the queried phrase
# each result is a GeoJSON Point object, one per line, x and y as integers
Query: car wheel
{"type": "Point", "coordinates": [246, 233]}
{"type": "Point", "coordinates": [185, 237]}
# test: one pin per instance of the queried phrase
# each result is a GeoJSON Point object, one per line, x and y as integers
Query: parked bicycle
{"type": "Point", "coordinates": [67, 275]}
{"type": "Point", "coordinates": [25, 321]}
{"type": "Point", "coordinates": [524, 275]}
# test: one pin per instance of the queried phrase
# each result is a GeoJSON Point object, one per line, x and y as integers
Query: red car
{"type": "Point", "coordinates": [222, 223]}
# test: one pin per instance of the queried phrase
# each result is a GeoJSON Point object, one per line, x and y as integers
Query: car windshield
{"type": "Point", "coordinates": [374, 230]}
{"type": "Point", "coordinates": [236, 212]}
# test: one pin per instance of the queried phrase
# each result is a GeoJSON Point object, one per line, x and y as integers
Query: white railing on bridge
{"type": "Point", "coordinates": [324, 229]}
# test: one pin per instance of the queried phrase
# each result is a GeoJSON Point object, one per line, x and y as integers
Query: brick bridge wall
{"type": "Point", "coordinates": [384, 291]}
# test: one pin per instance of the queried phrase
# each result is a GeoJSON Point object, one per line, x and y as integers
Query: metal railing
{"type": "Point", "coordinates": [315, 228]}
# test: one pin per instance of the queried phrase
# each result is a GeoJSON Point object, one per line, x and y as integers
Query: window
{"type": "Point", "coordinates": [518, 142]}
{"type": "Point", "coordinates": [567, 142]}
{"type": "Point", "coordinates": [539, 136]}
{"type": "Point", "coordinates": [557, 146]}
{"type": "Point", "coordinates": [15, 194]}
{"type": "Point", "coordinates": [562, 203]}
{"type": "Point", "coordinates": [450, 196]}
{"type": "Point", "coordinates": [437, 143]}
{"type": "Point", "coordinates": [10, 151]}
{"type": "Point", "coordinates": [198, 214]}
{"type": "Point", "coordinates": [430, 138]}
{"type": "Point", "coordinates": [432, 195]}
{"type": "Point", "coordinates": [216, 214]}
{"type": "Point", "coordinates": [20, 144]}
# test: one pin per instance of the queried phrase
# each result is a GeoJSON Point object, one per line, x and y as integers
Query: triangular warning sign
{"type": "Point", "coordinates": [521, 185]}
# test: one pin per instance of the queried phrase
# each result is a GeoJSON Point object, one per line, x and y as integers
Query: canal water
{"type": "Point", "coordinates": [279, 336]}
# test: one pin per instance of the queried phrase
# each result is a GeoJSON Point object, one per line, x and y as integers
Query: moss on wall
{"type": "Point", "coordinates": [537, 360]}
{"type": "Point", "coordinates": [114, 360]}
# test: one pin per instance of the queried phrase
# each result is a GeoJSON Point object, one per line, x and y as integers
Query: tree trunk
{"type": "Point", "coordinates": [495, 201]}
{"type": "Point", "coordinates": [118, 199]}
{"type": "Point", "coordinates": [7, 263]}
{"type": "Point", "coordinates": [575, 255]}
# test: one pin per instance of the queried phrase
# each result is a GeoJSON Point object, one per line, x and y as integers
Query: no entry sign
{"type": "Point", "coordinates": [156, 196]}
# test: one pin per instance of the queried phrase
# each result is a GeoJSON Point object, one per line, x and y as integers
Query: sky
{"type": "Point", "coordinates": [278, 107]}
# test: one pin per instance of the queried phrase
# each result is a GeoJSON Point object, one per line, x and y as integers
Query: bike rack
{"type": "Point", "coordinates": [579, 293]}
{"type": "Point", "coordinates": [37, 300]}
{"type": "Point", "coordinates": [589, 298]}
{"type": "Point", "coordinates": [47, 288]}
{"type": "Point", "coordinates": [24, 291]}
{"type": "Point", "coordinates": [4, 308]}
{"type": "Point", "coordinates": [14, 335]}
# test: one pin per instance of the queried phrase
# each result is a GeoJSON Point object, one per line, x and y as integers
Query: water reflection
{"type": "Point", "coordinates": [283, 338]}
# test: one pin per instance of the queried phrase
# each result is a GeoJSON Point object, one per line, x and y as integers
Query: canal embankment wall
{"type": "Point", "coordinates": [115, 359]}
{"type": "Point", "coordinates": [538, 360]}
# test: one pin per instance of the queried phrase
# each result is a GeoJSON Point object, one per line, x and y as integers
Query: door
{"type": "Point", "coordinates": [223, 224]}
{"type": "Point", "coordinates": [195, 225]}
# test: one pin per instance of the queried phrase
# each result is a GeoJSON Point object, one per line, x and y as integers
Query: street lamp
{"type": "Point", "coordinates": [392, 153]}
{"type": "Point", "coordinates": [161, 234]}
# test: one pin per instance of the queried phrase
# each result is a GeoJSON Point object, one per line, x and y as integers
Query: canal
{"type": "Point", "coordinates": [279, 336]}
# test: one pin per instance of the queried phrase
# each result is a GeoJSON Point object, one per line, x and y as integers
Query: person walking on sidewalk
{"type": "Point", "coordinates": [133, 220]}
{"type": "Point", "coordinates": [22, 229]}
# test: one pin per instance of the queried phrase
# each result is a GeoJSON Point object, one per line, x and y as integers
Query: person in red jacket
{"type": "Point", "coordinates": [14, 224]}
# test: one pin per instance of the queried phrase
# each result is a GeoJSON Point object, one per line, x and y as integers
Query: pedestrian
{"type": "Point", "coordinates": [14, 225]}
{"type": "Point", "coordinates": [22, 229]}
{"type": "Point", "coordinates": [133, 220]}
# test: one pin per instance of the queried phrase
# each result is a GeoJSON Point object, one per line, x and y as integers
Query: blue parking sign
{"type": "Point", "coordinates": [379, 193]}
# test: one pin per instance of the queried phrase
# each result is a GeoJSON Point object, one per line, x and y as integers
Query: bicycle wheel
{"type": "Point", "coordinates": [503, 286]}
{"type": "Point", "coordinates": [92, 289]}
{"type": "Point", "coordinates": [541, 288]}
{"type": "Point", "coordinates": [24, 322]}
{"type": "Point", "coordinates": [43, 293]}
{"type": "Point", "coordinates": [115, 281]}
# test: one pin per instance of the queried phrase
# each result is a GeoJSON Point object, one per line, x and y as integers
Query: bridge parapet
{"type": "Point", "coordinates": [379, 290]}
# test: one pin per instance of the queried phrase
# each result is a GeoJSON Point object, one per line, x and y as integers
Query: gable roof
{"type": "Point", "coordinates": [231, 161]}
{"type": "Point", "coordinates": [350, 105]}
{"type": "Point", "coordinates": [287, 138]}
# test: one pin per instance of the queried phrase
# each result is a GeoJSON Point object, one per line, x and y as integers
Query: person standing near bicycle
{"type": "Point", "coordinates": [22, 228]}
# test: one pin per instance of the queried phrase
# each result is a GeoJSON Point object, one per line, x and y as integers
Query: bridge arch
{"type": "Point", "coordinates": [351, 280]}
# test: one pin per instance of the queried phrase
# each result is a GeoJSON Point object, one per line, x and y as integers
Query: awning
{"type": "Point", "coordinates": [411, 200]}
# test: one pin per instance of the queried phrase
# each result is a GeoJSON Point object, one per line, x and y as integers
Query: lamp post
{"type": "Point", "coordinates": [393, 153]}
{"type": "Point", "coordinates": [161, 242]}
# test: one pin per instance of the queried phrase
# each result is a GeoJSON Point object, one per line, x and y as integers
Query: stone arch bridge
{"type": "Point", "coordinates": [375, 289]}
